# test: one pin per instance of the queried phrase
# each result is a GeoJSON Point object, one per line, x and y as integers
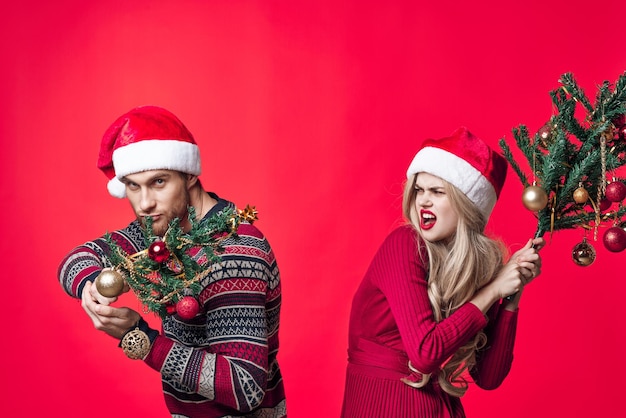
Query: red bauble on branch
{"type": "Point", "coordinates": [616, 191]}
{"type": "Point", "coordinates": [603, 206]}
{"type": "Point", "coordinates": [615, 239]}
{"type": "Point", "coordinates": [188, 307]}
{"type": "Point", "coordinates": [584, 254]}
{"type": "Point", "coordinates": [620, 127]}
{"type": "Point", "coordinates": [158, 251]}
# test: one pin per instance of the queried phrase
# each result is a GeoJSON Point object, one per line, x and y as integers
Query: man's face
{"type": "Point", "coordinates": [160, 194]}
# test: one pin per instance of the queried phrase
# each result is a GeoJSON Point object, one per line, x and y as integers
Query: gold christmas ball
{"type": "Point", "coordinates": [581, 195]}
{"type": "Point", "coordinates": [534, 198]}
{"type": "Point", "coordinates": [110, 283]}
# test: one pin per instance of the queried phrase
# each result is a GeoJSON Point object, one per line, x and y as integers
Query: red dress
{"type": "Point", "coordinates": [392, 322]}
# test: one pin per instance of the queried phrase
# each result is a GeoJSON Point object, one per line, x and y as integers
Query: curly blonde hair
{"type": "Point", "coordinates": [457, 269]}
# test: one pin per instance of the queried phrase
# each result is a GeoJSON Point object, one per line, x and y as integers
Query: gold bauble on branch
{"type": "Point", "coordinates": [110, 283]}
{"type": "Point", "coordinates": [534, 198]}
{"type": "Point", "coordinates": [581, 195]}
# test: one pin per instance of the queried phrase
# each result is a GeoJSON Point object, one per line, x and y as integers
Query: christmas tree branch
{"type": "Point", "coordinates": [172, 268]}
{"type": "Point", "coordinates": [509, 156]}
{"type": "Point", "coordinates": [573, 161]}
{"type": "Point", "coordinates": [570, 86]}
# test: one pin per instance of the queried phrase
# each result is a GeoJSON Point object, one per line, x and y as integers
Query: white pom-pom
{"type": "Point", "coordinates": [116, 188]}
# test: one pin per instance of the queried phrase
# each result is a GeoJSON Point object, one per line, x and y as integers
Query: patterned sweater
{"type": "Point", "coordinates": [392, 322]}
{"type": "Point", "coordinates": [221, 363]}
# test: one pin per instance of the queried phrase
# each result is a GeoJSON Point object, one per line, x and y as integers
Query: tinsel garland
{"type": "Point", "coordinates": [173, 266]}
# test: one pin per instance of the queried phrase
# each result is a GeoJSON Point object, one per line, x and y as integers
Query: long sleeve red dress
{"type": "Point", "coordinates": [392, 323]}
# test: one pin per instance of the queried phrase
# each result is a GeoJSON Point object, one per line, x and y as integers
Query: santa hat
{"type": "Point", "coordinates": [146, 138]}
{"type": "Point", "coordinates": [466, 162]}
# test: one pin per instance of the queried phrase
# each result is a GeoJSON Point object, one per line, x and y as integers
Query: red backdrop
{"type": "Point", "coordinates": [311, 111]}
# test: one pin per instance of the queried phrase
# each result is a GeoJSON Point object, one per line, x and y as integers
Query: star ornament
{"type": "Point", "coordinates": [249, 214]}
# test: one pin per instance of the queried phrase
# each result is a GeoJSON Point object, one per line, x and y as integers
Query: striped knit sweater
{"type": "Point", "coordinates": [222, 363]}
{"type": "Point", "coordinates": [392, 323]}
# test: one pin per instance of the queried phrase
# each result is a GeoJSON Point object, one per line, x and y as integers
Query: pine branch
{"type": "Point", "coordinates": [580, 171]}
{"type": "Point", "coordinates": [613, 104]}
{"type": "Point", "coordinates": [509, 156]}
{"type": "Point", "coordinates": [571, 87]}
{"type": "Point", "coordinates": [161, 279]}
{"type": "Point", "coordinates": [572, 153]}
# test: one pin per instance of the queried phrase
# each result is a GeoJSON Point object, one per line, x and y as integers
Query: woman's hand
{"type": "Point", "coordinates": [523, 257]}
{"type": "Point", "coordinates": [529, 262]}
{"type": "Point", "coordinates": [523, 266]}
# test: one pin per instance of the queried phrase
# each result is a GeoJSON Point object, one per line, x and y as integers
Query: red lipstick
{"type": "Point", "coordinates": [427, 219]}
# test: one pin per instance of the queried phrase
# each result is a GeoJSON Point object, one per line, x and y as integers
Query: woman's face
{"type": "Point", "coordinates": [437, 218]}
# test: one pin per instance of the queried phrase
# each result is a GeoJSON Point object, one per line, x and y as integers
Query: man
{"type": "Point", "coordinates": [222, 362]}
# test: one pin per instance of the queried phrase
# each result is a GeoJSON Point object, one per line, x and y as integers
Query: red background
{"type": "Point", "coordinates": [311, 111]}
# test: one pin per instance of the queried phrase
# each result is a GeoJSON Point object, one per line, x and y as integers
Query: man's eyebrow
{"type": "Point", "coordinates": [159, 175]}
{"type": "Point", "coordinates": [162, 174]}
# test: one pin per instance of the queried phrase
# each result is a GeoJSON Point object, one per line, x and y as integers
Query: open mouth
{"type": "Point", "coordinates": [427, 219]}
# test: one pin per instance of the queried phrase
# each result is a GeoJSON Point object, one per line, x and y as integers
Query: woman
{"type": "Point", "coordinates": [433, 304]}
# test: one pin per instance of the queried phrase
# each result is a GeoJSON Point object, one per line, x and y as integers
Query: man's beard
{"type": "Point", "coordinates": [160, 228]}
{"type": "Point", "coordinates": [179, 211]}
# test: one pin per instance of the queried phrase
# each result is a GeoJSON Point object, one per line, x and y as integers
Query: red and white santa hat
{"type": "Point", "coordinates": [466, 162]}
{"type": "Point", "coordinates": [146, 138]}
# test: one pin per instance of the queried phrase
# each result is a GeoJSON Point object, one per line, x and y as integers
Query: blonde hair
{"type": "Point", "coordinates": [457, 269]}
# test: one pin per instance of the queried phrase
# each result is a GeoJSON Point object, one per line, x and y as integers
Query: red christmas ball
{"type": "Point", "coordinates": [616, 191]}
{"type": "Point", "coordinates": [158, 251]}
{"type": "Point", "coordinates": [604, 204]}
{"type": "Point", "coordinates": [170, 309]}
{"type": "Point", "coordinates": [615, 239]}
{"type": "Point", "coordinates": [188, 307]}
{"type": "Point", "coordinates": [584, 254]}
{"type": "Point", "coordinates": [620, 121]}
{"type": "Point", "coordinates": [546, 134]}
{"type": "Point", "coordinates": [619, 124]}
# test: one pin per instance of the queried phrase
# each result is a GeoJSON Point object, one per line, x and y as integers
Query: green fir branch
{"type": "Point", "coordinates": [161, 284]}
{"type": "Point", "coordinates": [613, 105]}
{"type": "Point", "coordinates": [602, 97]}
{"type": "Point", "coordinates": [514, 165]}
{"type": "Point", "coordinates": [571, 87]}
{"type": "Point", "coordinates": [522, 139]}
{"type": "Point", "coordinates": [566, 109]}
{"type": "Point", "coordinates": [554, 164]}
{"type": "Point", "coordinates": [570, 155]}
{"type": "Point", "coordinates": [580, 171]}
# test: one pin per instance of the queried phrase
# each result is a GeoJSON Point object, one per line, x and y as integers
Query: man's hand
{"type": "Point", "coordinates": [113, 321]}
